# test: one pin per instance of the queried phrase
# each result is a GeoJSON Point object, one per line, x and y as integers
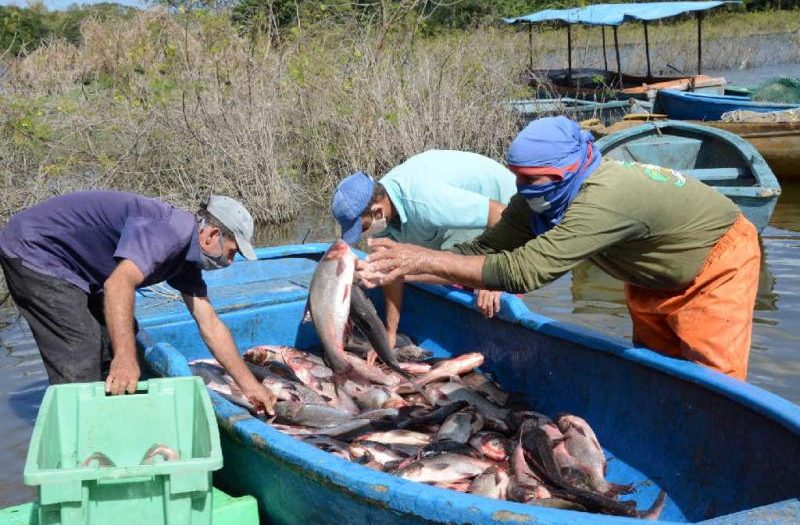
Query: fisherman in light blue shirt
{"type": "Point", "coordinates": [435, 199]}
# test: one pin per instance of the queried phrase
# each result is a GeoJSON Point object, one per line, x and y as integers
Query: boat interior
{"type": "Point", "coordinates": [708, 441]}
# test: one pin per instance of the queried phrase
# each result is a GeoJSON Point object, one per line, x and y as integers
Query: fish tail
{"type": "Point", "coordinates": [655, 511]}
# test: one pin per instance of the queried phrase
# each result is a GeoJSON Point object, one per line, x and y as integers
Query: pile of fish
{"type": "Point", "coordinates": [435, 421]}
{"type": "Point", "coordinates": [470, 440]}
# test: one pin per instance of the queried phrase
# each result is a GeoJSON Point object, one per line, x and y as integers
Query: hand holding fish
{"type": "Point", "coordinates": [391, 260]}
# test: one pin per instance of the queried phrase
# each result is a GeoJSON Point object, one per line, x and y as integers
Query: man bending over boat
{"type": "Point", "coordinates": [73, 262]}
{"type": "Point", "coordinates": [435, 199]}
{"type": "Point", "coordinates": [689, 259]}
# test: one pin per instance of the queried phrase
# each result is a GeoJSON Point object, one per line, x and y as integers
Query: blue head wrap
{"type": "Point", "coordinates": [553, 146]}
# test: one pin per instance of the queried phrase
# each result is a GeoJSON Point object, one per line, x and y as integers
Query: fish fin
{"type": "Point", "coordinates": [617, 489]}
{"type": "Point", "coordinates": [307, 318]}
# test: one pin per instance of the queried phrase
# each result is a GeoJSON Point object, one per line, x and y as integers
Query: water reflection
{"type": "Point", "coordinates": [787, 213]}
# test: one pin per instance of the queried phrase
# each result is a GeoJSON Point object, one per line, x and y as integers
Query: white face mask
{"type": "Point", "coordinates": [377, 226]}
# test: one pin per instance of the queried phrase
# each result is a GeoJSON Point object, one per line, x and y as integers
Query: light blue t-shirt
{"type": "Point", "coordinates": [442, 197]}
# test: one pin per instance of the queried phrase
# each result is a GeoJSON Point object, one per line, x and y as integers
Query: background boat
{"type": "Point", "coordinates": [777, 142]}
{"type": "Point", "coordinates": [724, 161]}
{"type": "Point", "coordinates": [577, 109]}
{"type": "Point", "coordinates": [722, 449]}
{"type": "Point", "coordinates": [603, 84]}
{"type": "Point", "coordinates": [680, 105]}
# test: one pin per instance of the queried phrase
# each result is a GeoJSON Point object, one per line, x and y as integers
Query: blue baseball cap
{"type": "Point", "coordinates": [350, 202]}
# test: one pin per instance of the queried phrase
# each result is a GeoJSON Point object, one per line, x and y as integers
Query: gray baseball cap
{"type": "Point", "coordinates": [233, 215]}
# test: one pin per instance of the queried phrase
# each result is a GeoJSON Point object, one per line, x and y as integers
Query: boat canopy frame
{"type": "Point", "coordinates": [614, 15]}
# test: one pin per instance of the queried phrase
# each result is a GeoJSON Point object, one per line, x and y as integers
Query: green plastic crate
{"type": "Point", "coordinates": [78, 420]}
{"type": "Point", "coordinates": [227, 511]}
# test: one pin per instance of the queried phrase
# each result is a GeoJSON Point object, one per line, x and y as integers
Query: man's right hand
{"type": "Point", "coordinates": [123, 376]}
{"type": "Point", "coordinates": [488, 302]}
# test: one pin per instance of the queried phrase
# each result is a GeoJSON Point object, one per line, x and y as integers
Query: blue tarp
{"type": "Point", "coordinates": [615, 14]}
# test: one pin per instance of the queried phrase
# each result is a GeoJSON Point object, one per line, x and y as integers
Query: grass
{"type": "Point", "coordinates": [178, 107]}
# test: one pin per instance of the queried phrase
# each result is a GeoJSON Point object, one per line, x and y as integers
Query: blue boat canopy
{"type": "Point", "coordinates": [616, 14]}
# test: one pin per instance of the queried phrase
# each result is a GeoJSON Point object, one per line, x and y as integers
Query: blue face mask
{"type": "Point", "coordinates": [558, 145]}
{"type": "Point", "coordinates": [540, 197]}
{"type": "Point", "coordinates": [549, 201]}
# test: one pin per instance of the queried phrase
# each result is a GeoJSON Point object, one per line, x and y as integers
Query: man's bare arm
{"type": "Point", "coordinates": [218, 339]}
{"type": "Point", "coordinates": [393, 295]}
{"type": "Point", "coordinates": [118, 299]}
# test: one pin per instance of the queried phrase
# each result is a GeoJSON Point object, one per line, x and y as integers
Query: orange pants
{"type": "Point", "coordinates": [711, 321]}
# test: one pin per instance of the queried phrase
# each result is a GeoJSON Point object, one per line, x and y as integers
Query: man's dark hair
{"type": "Point", "coordinates": [378, 193]}
{"type": "Point", "coordinates": [210, 220]}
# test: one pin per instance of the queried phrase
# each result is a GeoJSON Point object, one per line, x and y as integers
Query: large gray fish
{"type": "Point", "coordinates": [581, 442]}
{"type": "Point", "coordinates": [539, 442]}
{"type": "Point", "coordinates": [495, 417]}
{"type": "Point", "coordinates": [493, 483]}
{"type": "Point", "coordinates": [365, 318]}
{"type": "Point", "coordinates": [380, 452]}
{"type": "Point", "coordinates": [486, 386]}
{"type": "Point", "coordinates": [448, 368]}
{"type": "Point", "coordinates": [444, 468]}
{"type": "Point", "coordinates": [460, 426]}
{"type": "Point", "coordinates": [318, 416]}
{"type": "Point", "coordinates": [329, 302]}
{"type": "Point", "coordinates": [400, 437]}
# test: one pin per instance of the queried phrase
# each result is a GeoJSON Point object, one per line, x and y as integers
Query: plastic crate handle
{"type": "Point", "coordinates": [141, 388]}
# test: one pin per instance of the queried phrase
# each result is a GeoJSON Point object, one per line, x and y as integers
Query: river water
{"type": "Point", "coordinates": [586, 296]}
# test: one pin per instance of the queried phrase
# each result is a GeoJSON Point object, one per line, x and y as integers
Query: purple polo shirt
{"type": "Point", "coordinates": [80, 237]}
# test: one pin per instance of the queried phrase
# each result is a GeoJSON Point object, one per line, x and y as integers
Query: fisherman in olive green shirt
{"type": "Point", "coordinates": [688, 257]}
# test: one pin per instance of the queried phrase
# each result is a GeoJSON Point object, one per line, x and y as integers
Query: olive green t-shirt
{"type": "Point", "coordinates": [645, 225]}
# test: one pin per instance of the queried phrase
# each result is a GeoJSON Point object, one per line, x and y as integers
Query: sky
{"type": "Point", "coordinates": [56, 5]}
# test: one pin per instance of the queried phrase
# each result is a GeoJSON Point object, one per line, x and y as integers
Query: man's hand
{"type": "Point", "coordinates": [123, 376]}
{"type": "Point", "coordinates": [391, 260]}
{"type": "Point", "coordinates": [262, 399]}
{"type": "Point", "coordinates": [488, 302]}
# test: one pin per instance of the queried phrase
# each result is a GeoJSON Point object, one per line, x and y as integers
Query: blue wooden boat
{"type": "Point", "coordinates": [724, 451]}
{"type": "Point", "coordinates": [682, 105]}
{"type": "Point", "coordinates": [724, 161]}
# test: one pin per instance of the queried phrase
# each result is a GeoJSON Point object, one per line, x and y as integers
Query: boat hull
{"type": "Point", "coordinates": [681, 105]}
{"type": "Point", "coordinates": [723, 160]}
{"type": "Point", "coordinates": [778, 143]}
{"type": "Point", "coordinates": [707, 439]}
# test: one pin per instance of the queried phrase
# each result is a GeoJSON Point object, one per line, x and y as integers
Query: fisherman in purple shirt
{"type": "Point", "coordinates": [73, 262]}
